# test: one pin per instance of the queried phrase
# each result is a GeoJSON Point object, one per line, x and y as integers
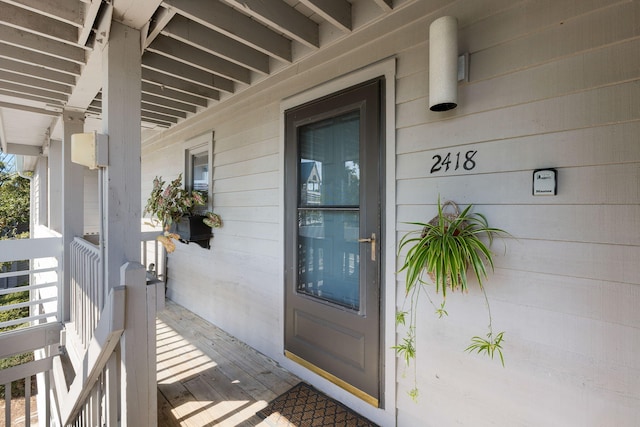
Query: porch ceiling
{"type": "Point", "coordinates": [196, 54]}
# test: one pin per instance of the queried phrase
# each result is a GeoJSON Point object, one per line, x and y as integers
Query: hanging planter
{"type": "Point", "coordinates": [440, 254]}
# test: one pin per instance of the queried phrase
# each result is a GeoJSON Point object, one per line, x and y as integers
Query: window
{"type": "Point", "coordinates": [199, 167]}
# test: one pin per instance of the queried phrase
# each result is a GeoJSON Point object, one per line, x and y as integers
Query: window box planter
{"type": "Point", "coordinates": [192, 229]}
{"type": "Point", "coordinates": [173, 207]}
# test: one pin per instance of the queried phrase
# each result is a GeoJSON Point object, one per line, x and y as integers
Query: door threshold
{"type": "Point", "coordinates": [335, 380]}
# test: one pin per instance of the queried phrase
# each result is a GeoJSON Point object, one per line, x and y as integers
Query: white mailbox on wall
{"type": "Point", "coordinates": [545, 182]}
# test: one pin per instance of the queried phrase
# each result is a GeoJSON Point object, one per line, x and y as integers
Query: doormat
{"type": "Point", "coordinates": [304, 406]}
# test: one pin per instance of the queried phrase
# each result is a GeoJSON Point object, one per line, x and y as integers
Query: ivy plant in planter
{"type": "Point", "coordinates": [440, 254]}
{"type": "Point", "coordinates": [175, 209]}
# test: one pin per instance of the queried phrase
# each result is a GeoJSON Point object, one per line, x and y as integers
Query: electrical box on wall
{"type": "Point", "coordinates": [545, 182]}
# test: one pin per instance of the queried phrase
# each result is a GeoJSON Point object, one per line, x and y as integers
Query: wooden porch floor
{"type": "Point", "coordinates": [208, 378]}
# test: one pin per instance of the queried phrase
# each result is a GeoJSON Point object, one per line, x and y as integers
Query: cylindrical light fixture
{"type": "Point", "coordinates": [443, 64]}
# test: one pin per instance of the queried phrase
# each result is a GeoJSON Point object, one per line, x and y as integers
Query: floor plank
{"type": "Point", "coordinates": [209, 378]}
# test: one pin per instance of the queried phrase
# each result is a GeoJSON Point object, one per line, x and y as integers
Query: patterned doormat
{"type": "Point", "coordinates": [304, 406]}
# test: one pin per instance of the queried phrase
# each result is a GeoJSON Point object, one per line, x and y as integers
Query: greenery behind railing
{"type": "Point", "coordinates": [17, 387]}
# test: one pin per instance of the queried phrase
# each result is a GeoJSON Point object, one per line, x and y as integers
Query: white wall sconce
{"type": "Point", "coordinates": [444, 64]}
{"type": "Point", "coordinates": [90, 149]}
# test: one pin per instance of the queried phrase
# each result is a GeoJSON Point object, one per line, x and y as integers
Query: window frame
{"type": "Point", "coordinates": [193, 147]}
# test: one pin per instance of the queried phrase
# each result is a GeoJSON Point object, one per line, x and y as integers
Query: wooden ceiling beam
{"type": "Point", "coordinates": [162, 79]}
{"type": "Point", "coordinates": [39, 59]}
{"type": "Point", "coordinates": [168, 93]}
{"type": "Point", "coordinates": [283, 18]}
{"type": "Point", "coordinates": [18, 17]}
{"type": "Point", "coordinates": [23, 149]}
{"type": "Point", "coordinates": [168, 103]}
{"type": "Point", "coordinates": [197, 35]}
{"type": "Point", "coordinates": [198, 58]}
{"type": "Point", "coordinates": [183, 71]}
{"type": "Point", "coordinates": [163, 110]}
{"type": "Point", "coordinates": [337, 12]}
{"type": "Point", "coordinates": [145, 122]}
{"type": "Point", "coordinates": [36, 71]}
{"type": "Point", "coordinates": [56, 104]}
{"type": "Point", "coordinates": [228, 21]}
{"type": "Point", "coordinates": [52, 48]}
{"type": "Point", "coordinates": [89, 15]}
{"type": "Point", "coordinates": [26, 80]}
{"type": "Point", "coordinates": [44, 95]}
{"type": "Point", "coordinates": [96, 104]}
{"type": "Point", "coordinates": [90, 81]}
{"type": "Point", "coordinates": [158, 116]}
{"type": "Point", "coordinates": [69, 11]}
{"type": "Point", "coordinates": [160, 20]}
{"type": "Point", "coordinates": [386, 5]}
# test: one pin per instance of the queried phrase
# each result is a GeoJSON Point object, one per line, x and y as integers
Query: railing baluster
{"type": "Point", "coordinates": [7, 404]}
{"type": "Point", "coordinates": [47, 399]}
{"type": "Point", "coordinates": [27, 401]}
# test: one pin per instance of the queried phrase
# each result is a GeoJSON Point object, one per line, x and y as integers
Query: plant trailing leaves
{"type": "Point", "coordinates": [441, 253]}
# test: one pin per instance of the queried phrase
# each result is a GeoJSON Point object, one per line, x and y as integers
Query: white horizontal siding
{"type": "Point", "coordinates": [606, 105]}
{"type": "Point", "coordinates": [549, 221]}
{"type": "Point", "coordinates": [553, 38]}
{"type": "Point", "coordinates": [516, 187]}
{"type": "Point", "coordinates": [552, 84]}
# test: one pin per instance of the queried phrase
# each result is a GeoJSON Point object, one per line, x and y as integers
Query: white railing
{"type": "Point", "coordinates": [153, 256]}
{"type": "Point", "coordinates": [40, 339]}
{"type": "Point", "coordinates": [44, 256]}
{"type": "Point", "coordinates": [100, 406]}
{"type": "Point", "coordinates": [97, 318]}
{"type": "Point", "coordinates": [87, 292]}
{"type": "Point", "coordinates": [24, 376]}
{"type": "Point", "coordinates": [98, 391]}
{"type": "Point", "coordinates": [38, 329]}
{"type": "Point", "coordinates": [93, 394]}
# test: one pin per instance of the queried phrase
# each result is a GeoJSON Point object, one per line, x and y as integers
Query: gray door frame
{"type": "Point", "coordinates": [369, 383]}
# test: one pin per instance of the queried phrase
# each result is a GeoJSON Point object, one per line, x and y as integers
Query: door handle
{"type": "Point", "coordinates": [371, 240]}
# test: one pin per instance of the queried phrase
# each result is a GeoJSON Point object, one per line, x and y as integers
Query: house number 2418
{"type": "Point", "coordinates": [454, 161]}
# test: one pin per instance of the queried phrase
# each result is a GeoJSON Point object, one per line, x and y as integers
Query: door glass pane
{"type": "Point", "coordinates": [328, 210]}
{"type": "Point", "coordinates": [329, 256]}
{"type": "Point", "coordinates": [330, 162]}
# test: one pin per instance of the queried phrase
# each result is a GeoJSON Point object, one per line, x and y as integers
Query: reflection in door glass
{"type": "Point", "coordinates": [329, 256]}
{"type": "Point", "coordinates": [328, 210]}
{"type": "Point", "coordinates": [330, 162]}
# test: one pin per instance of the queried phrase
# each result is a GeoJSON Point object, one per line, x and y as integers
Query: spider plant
{"type": "Point", "coordinates": [446, 247]}
{"type": "Point", "coordinates": [440, 253]}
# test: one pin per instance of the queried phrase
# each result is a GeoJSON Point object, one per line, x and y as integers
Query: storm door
{"type": "Point", "coordinates": [332, 238]}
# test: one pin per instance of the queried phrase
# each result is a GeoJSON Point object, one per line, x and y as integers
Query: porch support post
{"type": "Point", "coordinates": [41, 184]}
{"type": "Point", "coordinates": [72, 202]}
{"type": "Point", "coordinates": [121, 65]}
{"type": "Point", "coordinates": [138, 350]}
{"type": "Point", "coordinates": [121, 95]}
{"type": "Point", "coordinates": [54, 189]}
